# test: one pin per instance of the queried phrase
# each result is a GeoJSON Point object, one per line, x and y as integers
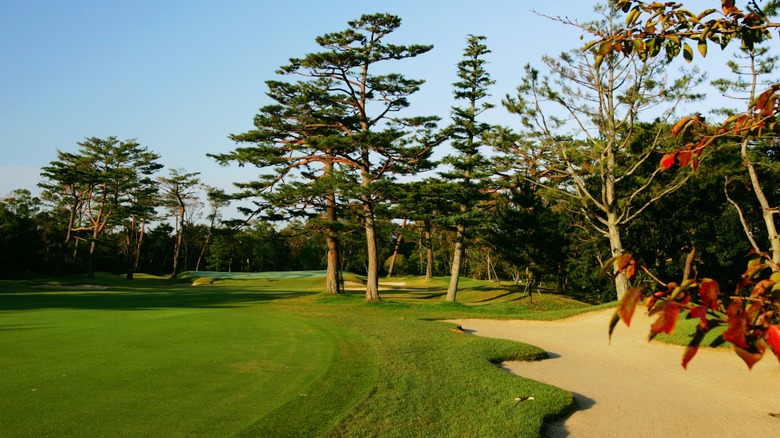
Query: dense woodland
{"type": "Point", "coordinates": [595, 166]}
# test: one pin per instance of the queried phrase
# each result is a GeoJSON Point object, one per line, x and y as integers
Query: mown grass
{"type": "Point", "coordinates": [263, 357]}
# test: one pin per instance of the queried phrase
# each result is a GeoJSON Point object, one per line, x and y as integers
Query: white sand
{"type": "Point", "coordinates": [633, 388]}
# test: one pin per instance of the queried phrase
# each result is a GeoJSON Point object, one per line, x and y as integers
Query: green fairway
{"type": "Point", "coordinates": [261, 357]}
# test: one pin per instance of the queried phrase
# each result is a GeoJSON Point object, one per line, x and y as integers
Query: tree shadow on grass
{"type": "Point", "coordinates": [142, 298]}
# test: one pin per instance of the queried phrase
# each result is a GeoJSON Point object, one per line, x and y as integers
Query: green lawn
{"type": "Point", "coordinates": [266, 356]}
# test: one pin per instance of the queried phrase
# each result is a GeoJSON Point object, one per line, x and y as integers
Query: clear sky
{"type": "Point", "coordinates": [180, 76]}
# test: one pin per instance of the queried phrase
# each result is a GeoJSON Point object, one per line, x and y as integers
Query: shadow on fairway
{"type": "Point", "coordinates": [141, 298]}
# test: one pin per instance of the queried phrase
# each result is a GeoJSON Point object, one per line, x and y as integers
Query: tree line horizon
{"type": "Point", "coordinates": [595, 166]}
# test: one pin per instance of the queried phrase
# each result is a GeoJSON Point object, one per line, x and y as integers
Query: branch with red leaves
{"type": "Point", "coordinates": [751, 315]}
{"type": "Point", "coordinates": [653, 28]}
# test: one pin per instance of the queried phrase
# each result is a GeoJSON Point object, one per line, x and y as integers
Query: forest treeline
{"type": "Point", "coordinates": [546, 202]}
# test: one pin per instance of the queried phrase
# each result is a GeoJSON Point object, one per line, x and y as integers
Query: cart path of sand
{"type": "Point", "coordinates": [639, 389]}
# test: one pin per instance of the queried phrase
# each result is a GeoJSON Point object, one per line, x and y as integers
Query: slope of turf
{"type": "Point", "coordinates": [261, 357]}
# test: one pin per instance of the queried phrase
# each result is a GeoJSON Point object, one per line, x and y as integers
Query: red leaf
{"type": "Point", "coordinates": [693, 346]}
{"type": "Point", "coordinates": [629, 302]}
{"type": "Point", "coordinates": [668, 160]}
{"type": "Point", "coordinates": [669, 311]}
{"type": "Point", "coordinates": [650, 304]}
{"type": "Point", "coordinates": [737, 325]}
{"type": "Point", "coordinates": [683, 158]}
{"type": "Point", "coordinates": [624, 260]}
{"type": "Point", "coordinates": [680, 125]}
{"type": "Point", "coordinates": [773, 339]}
{"type": "Point", "coordinates": [708, 293]}
{"type": "Point", "coordinates": [631, 270]}
{"type": "Point", "coordinates": [728, 7]}
{"type": "Point", "coordinates": [690, 351]}
{"type": "Point", "coordinates": [698, 312]}
{"type": "Point", "coordinates": [751, 356]}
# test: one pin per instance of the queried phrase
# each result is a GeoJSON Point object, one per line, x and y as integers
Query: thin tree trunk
{"type": "Point", "coordinates": [130, 244]}
{"type": "Point", "coordinates": [613, 227]}
{"type": "Point", "coordinates": [428, 251]}
{"type": "Point", "coordinates": [395, 250]}
{"type": "Point", "coordinates": [203, 250]}
{"type": "Point", "coordinates": [488, 267]}
{"type": "Point", "coordinates": [767, 212]}
{"type": "Point", "coordinates": [177, 246]}
{"type": "Point", "coordinates": [91, 259]}
{"type": "Point", "coordinates": [457, 256]}
{"type": "Point", "coordinates": [616, 249]}
{"type": "Point", "coordinates": [528, 279]}
{"type": "Point", "coordinates": [141, 235]}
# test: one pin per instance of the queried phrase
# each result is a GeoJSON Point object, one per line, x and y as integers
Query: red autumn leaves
{"type": "Point", "coordinates": [653, 26]}
{"type": "Point", "coordinates": [751, 319]}
{"type": "Point", "coordinates": [760, 119]}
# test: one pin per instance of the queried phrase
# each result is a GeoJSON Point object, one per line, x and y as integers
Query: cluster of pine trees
{"type": "Point", "coordinates": [547, 202]}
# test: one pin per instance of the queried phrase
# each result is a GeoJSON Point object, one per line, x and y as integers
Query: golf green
{"type": "Point", "coordinates": [153, 369]}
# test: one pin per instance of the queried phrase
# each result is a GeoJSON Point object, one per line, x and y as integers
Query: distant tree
{"type": "Point", "coordinates": [178, 191]}
{"type": "Point", "coordinates": [142, 201]}
{"type": "Point", "coordinates": [527, 232]}
{"type": "Point", "coordinates": [155, 257]}
{"type": "Point", "coordinates": [223, 250]}
{"type": "Point", "coordinates": [19, 233]}
{"type": "Point", "coordinates": [96, 185]}
{"type": "Point", "coordinates": [423, 203]}
{"type": "Point", "coordinates": [305, 249]}
{"type": "Point", "coordinates": [469, 168]}
{"type": "Point", "coordinates": [217, 198]}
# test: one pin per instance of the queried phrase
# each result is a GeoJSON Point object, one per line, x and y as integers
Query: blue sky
{"type": "Point", "coordinates": [180, 76]}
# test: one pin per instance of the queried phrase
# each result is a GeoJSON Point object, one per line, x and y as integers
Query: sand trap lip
{"type": "Point", "coordinates": [636, 388]}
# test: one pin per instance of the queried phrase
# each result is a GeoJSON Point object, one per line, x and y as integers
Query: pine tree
{"type": "Point", "coordinates": [178, 192]}
{"type": "Point", "coordinates": [335, 129]}
{"type": "Point", "coordinates": [97, 185]}
{"type": "Point", "coordinates": [469, 168]}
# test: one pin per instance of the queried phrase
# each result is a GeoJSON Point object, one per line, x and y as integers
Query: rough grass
{"type": "Point", "coordinates": [267, 356]}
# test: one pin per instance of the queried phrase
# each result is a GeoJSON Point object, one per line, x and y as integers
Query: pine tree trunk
{"type": "Point", "coordinates": [372, 276]}
{"type": "Point", "coordinates": [395, 251]}
{"type": "Point", "coordinates": [332, 284]}
{"type": "Point", "coordinates": [203, 250]}
{"type": "Point", "coordinates": [457, 257]}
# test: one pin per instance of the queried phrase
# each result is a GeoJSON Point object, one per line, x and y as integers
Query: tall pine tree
{"type": "Point", "coordinates": [468, 167]}
{"type": "Point", "coordinates": [336, 128]}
